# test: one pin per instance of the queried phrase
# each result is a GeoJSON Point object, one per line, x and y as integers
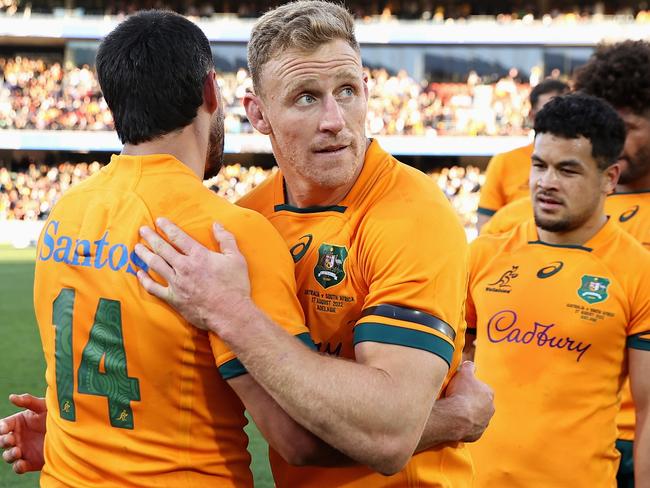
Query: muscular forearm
{"type": "Point", "coordinates": [358, 409]}
{"type": "Point", "coordinates": [295, 444]}
{"type": "Point", "coordinates": [447, 423]}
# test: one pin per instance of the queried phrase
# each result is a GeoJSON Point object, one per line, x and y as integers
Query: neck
{"type": "Point", "coordinates": [640, 184]}
{"type": "Point", "coordinates": [182, 145]}
{"type": "Point", "coordinates": [575, 237]}
{"type": "Point", "coordinates": [302, 193]}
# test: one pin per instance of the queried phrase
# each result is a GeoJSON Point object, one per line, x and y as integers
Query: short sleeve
{"type": "Point", "coordinates": [273, 286]}
{"type": "Point", "coordinates": [416, 272]}
{"type": "Point", "coordinates": [492, 198]}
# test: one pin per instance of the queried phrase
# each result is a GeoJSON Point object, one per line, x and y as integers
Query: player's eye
{"type": "Point", "coordinates": [305, 99]}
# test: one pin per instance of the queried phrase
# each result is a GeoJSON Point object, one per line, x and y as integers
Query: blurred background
{"type": "Point", "coordinates": [449, 85]}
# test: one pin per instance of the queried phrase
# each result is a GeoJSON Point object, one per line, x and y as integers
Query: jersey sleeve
{"type": "Point", "coordinates": [416, 273]}
{"type": "Point", "coordinates": [492, 198]}
{"type": "Point", "coordinates": [639, 327]}
{"type": "Point", "coordinates": [509, 217]}
{"type": "Point", "coordinates": [271, 273]}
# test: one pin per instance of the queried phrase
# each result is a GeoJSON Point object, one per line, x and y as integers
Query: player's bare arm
{"type": "Point", "coordinates": [22, 434]}
{"type": "Point", "coordinates": [639, 365]}
{"type": "Point", "coordinates": [373, 410]}
{"type": "Point", "coordinates": [462, 415]}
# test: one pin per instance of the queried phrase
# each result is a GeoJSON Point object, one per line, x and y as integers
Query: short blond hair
{"type": "Point", "coordinates": [304, 25]}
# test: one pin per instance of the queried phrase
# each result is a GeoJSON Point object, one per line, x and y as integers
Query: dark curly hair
{"type": "Point", "coordinates": [620, 74]}
{"type": "Point", "coordinates": [580, 115]}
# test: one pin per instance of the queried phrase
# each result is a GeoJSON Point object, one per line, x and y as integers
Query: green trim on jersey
{"type": "Point", "coordinates": [638, 192]}
{"type": "Point", "coordinates": [233, 368]}
{"type": "Point", "coordinates": [639, 341]}
{"type": "Point", "coordinates": [399, 336]}
{"type": "Point", "coordinates": [566, 246]}
{"type": "Point", "coordinates": [305, 210]}
{"type": "Point", "coordinates": [486, 211]}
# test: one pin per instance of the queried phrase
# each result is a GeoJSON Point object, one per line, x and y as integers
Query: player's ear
{"type": "Point", "coordinates": [610, 178]}
{"type": "Point", "coordinates": [365, 84]}
{"type": "Point", "coordinates": [255, 112]}
{"type": "Point", "coordinates": [211, 92]}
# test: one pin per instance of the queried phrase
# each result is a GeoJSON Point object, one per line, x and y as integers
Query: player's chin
{"type": "Point", "coordinates": [553, 223]}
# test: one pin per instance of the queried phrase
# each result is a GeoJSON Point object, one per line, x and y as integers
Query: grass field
{"type": "Point", "coordinates": [21, 363]}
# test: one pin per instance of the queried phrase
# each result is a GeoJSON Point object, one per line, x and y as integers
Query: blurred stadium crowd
{"type": "Point", "coordinates": [30, 194]}
{"type": "Point", "coordinates": [428, 10]}
{"type": "Point", "coordinates": [42, 95]}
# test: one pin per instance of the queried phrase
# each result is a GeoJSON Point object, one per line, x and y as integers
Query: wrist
{"type": "Point", "coordinates": [460, 422]}
{"type": "Point", "coordinates": [229, 320]}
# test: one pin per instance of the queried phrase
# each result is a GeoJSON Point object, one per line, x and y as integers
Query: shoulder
{"type": "Point", "coordinates": [626, 253]}
{"type": "Point", "coordinates": [516, 154]}
{"type": "Point", "coordinates": [510, 216]}
{"type": "Point", "coordinates": [487, 246]}
{"type": "Point", "coordinates": [261, 198]}
{"type": "Point", "coordinates": [410, 204]}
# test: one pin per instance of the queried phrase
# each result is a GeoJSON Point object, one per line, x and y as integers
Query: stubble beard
{"type": "Point", "coordinates": [214, 157]}
{"type": "Point", "coordinates": [637, 167]}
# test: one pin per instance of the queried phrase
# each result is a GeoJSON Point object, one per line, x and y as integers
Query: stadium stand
{"type": "Point", "coordinates": [429, 98]}
{"type": "Point", "coordinates": [503, 11]}
{"type": "Point", "coordinates": [30, 194]}
{"type": "Point", "coordinates": [42, 95]}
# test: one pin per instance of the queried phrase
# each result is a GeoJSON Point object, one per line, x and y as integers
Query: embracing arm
{"type": "Point", "coordinates": [296, 445]}
{"type": "Point", "coordinates": [373, 410]}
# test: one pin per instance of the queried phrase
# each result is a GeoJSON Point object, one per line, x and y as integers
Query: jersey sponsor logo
{"type": "Point", "coordinates": [98, 254]}
{"type": "Point", "coordinates": [593, 289]}
{"type": "Point", "coordinates": [299, 250]}
{"type": "Point", "coordinates": [550, 270]}
{"type": "Point", "coordinates": [628, 214]}
{"type": "Point", "coordinates": [329, 268]}
{"type": "Point", "coordinates": [502, 285]}
{"type": "Point", "coordinates": [502, 328]}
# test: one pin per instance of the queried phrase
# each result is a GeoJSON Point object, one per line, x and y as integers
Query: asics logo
{"type": "Point", "coordinates": [550, 270]}
{"type": "Point", "coordinates": [299, 250]}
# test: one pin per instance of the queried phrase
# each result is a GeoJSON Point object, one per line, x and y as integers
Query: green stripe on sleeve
{"type": "Point", "coordinates": [399, 336]}
{"type": "Point", "coordinates": [233, 368]}
{"type": "Point", "coordinates": [639, 341]}
{"type": "Point", "coordinates": [486, 211]}
{"type": "Point", "coordinates": [306, 339]}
